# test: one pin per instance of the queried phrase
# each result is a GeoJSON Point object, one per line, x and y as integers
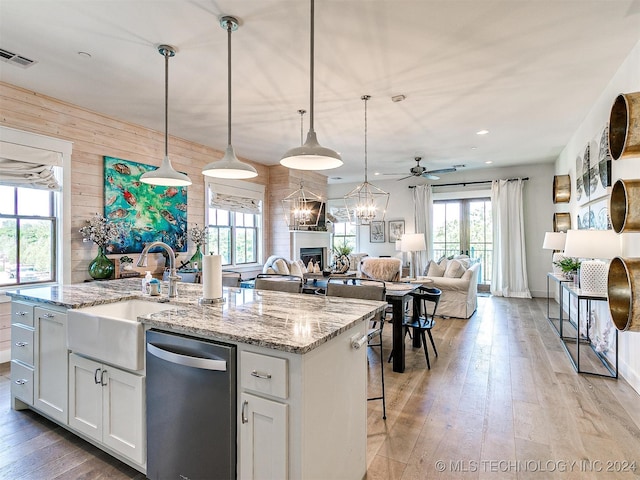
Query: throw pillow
{"type": "Point", "coordinates": [464, 260]}
{"type": "Point", "coordinates": [294, 269]}
{"type": "Point", "coordinates": [435, 270]}
{"type": "Point", "coordinates": [281, 267]}
{"type": "Point", "coordinates": [454, 269]}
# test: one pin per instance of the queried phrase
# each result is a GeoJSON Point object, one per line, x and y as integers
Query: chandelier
{"type": "Point", "coordinates": [366, 202]}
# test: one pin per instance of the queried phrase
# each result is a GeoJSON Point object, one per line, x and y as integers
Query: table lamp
{"type": "Point", "coordinates": [555, 241]}
{"type": "Point", "coordinates": [413, 242]}
{"type": "Point", "coordinates": [593, 246]}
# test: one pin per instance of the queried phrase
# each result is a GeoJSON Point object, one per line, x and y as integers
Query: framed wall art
{"type": "Point", "coordinates": [143, 213]}
{"type": "Point", "coordinates": [376, 232]}
{"type": "Point", "coordinates": [396, 230]}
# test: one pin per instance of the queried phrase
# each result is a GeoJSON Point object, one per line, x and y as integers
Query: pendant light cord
{"type": "Point", "coordinates": [167, 54]}
{"type": "Point", "coordinates": [365, 98]}
{"type": "Point", "coordinates": [229, 27]}
{"type": "Point", "coordinates": [311, 49]}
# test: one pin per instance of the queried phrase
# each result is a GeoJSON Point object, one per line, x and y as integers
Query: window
{"type": "Point", "coordinates": [234, 218]}
{"type": "Point", "coordinates": [344, 233]}
{"type": "Point", "coordinates": [234, 235]}
{"type": "Point", "coordinates": [27, 236]}
{"type": "Point", "coordinates": [464, 227]}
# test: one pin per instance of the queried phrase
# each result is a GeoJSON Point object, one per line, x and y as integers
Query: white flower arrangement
{"type": "Point", "coordinates": [99, 231]}
{"type": "Point", "coordinates": [198, 235]}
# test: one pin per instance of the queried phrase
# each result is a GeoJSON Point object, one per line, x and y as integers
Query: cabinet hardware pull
{"type": "Point", "coordinates": [48, 315]}
{"type": "Point", "coordinates": [21, 344]}
{"type": "Point", "coordinates": [21, 381]}
{"type": "Point", "coordinates": [21, 314]}
{"type": "Point", "coordinates": [244, 417]}
{"type": "Point", "coordinates": [102, 382]}
{"type": "Point", "coordinates": [257, 374]}
{"type": "Point", "coordinates": [95, 376]}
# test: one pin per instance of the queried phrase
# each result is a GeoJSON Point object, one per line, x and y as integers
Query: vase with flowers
{"type": "Point", "coordinates": [199, 237]}
{"type": "Point", "coordinates": [99, 231]}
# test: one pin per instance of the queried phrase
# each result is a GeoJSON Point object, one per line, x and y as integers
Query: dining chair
{"type": "Point", "coordinates": [373, 290]}
{"type": "Point", "coordinates": [425, 304]}
{"type": "Point", "coordinates": [279, 283]}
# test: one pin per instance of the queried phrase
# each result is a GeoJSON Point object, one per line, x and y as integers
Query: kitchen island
{"type": "Point", "coordinates": [318, 383]}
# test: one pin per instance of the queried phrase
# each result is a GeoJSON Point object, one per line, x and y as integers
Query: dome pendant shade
{"type": "Point", "coordinates": [166, 175]}
{"type": "Point", "coordinates": [311, 156]}
{"type": "Point", "coordinates": [229, 167]}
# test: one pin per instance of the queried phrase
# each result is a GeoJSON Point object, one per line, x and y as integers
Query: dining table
{"type": "Point", "coordinates": [397, 295]}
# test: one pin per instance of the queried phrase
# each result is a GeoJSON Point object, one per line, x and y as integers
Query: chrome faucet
{"type": "Point", "coordinates": [173, 275]}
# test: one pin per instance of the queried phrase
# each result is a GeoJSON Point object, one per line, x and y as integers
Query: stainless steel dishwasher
{"type": "Point", "coordinates": [191, 408]}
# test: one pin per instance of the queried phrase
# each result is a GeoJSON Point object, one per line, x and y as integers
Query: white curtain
{"type": "Point", "coordinates": [22, 166]}
{"type": "Point", "coordinates": [422, 216]}
{"type": "Point", "coordinates": [509, 277]}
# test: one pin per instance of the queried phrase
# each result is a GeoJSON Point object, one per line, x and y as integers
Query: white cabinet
{"type": "Point", "coordinates": [22, 354]}
{"type": "Point", "coordinates": [263, 438]}
{"type": "Point", "coordinates": [263, 421]}
{"type": "Point", "coordinates": [303, 416]}
{"type": "Point", "coordinates": [106, 404]}
{"type": "Point", "coordinates": [50, 372]}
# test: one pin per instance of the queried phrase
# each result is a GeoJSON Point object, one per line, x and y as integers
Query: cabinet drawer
{"type": "Point", "coordinates": [22, 382]}
{"type": "Point", "coordinates": [22, 313]}
{"type": "Point", "coordinates": [22, 344]}
{"type": "Point", "coordinates": [264, 374]}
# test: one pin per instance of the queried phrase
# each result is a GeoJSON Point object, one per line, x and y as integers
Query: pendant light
{"type": "Point", "coordinates": [165, 175]}
{"type": "Point", "coordinates": [311, 155]}
{"type": "Point", "coordinates": [229, 166]}
{"type": "Point", "coordinates": [302, 208]}
{"type": "Point", "coordinates": [366, 202]}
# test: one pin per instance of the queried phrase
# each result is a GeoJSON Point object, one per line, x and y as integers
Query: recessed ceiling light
{"type": "Point", "coordinates": [84, 54]}
{"type": "Point", "coordinates": [482, 132]}
{"type": "Point", "coordinates": [336, 178]}
{"type": "Point", "coordinates": [398, 98]}
{"type": "Point", "coordinates": [489, 162]}
{"type": "Point", "coordinates": [376, 173]}
{"type": "Point", "coordinates": [474, 148]}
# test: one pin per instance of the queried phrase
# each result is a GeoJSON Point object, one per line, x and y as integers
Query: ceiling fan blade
{"type": "Point", "coordinates": [442, 170]}
{"type": "Point", "coordinates": [429, 176]}
{"type": "Point", "coordinates": [404, 178]}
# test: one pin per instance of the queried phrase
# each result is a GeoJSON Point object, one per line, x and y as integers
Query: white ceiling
{"type": "Point", "coordinates": [527, 71]}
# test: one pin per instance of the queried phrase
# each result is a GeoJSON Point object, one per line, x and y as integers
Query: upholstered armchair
{"type": "Point", "coordinates": [385, 269]}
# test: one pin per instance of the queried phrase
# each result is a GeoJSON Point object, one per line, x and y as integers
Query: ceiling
{"type": "Point", "coordinates": [527, 71]}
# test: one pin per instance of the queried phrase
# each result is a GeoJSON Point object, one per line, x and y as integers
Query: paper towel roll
{"type": "Point", "coordinates": [212, 276]}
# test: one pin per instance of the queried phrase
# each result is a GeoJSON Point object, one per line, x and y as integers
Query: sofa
{"type": "Point", "coordinates": [284, 266]}
{"type": "Point", "coordinates": [458, 284]}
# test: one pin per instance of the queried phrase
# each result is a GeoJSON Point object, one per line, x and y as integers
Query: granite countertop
{"type": "Point", "coordinates": [295, 323]}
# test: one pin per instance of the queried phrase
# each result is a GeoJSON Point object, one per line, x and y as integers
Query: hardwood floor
{"type": "Point", "coordinates": [501, 400]}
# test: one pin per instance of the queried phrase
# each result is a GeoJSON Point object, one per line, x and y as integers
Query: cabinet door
{"type": "Point", "coordinates": [263, 438]}
{"type": "Point", "coordinates": [85, 396]}
{"type": "Point", "coordinates": [50, 389]}
{"type": "Point", "coordinates": [122, 413]}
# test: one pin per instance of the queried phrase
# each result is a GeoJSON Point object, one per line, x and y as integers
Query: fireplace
{"type": "Point", "coordinates": [315, 254]}
{"type": "Point", "coordinates": [311, 245]}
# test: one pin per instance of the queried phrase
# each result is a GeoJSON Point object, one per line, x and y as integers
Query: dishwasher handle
{"type": "Point", "coordinates": [187, 360]}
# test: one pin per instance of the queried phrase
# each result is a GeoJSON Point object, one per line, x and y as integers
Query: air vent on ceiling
{"type": "Point", "coordinates": [15, 59]}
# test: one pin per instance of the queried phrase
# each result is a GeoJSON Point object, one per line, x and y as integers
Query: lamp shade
{"type": "Point", "coordinates": [603, 244]}
{"type": "Point", "coordinates": [554, 240]}
{"type": "Point", "coordinates": [413, 242]}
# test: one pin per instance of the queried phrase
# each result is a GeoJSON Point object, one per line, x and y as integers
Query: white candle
{"type": "Point", "coordinates": [212, 276]}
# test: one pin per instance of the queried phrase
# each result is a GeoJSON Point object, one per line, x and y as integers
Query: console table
{"type": "Point", "coordinates": [559, 279]}
{"type": "Point", "coordinates": [587, 298]}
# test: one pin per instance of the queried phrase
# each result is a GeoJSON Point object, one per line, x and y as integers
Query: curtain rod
{"type": "Point", "coordinates": [470, 183]}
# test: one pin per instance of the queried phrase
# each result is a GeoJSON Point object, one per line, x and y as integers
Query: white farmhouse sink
{"type": "Point", "coordinates": [111, 332]}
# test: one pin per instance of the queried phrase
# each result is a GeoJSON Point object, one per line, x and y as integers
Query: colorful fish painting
{"type": "Point", "coordinates": [144, 213]}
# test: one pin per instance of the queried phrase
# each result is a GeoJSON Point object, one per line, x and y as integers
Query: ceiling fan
{"type": "Point", "coordinates": [420, 171]}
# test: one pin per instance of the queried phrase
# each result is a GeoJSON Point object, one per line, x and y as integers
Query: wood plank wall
{"type": "Point", "coordinates": [95, 135]}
